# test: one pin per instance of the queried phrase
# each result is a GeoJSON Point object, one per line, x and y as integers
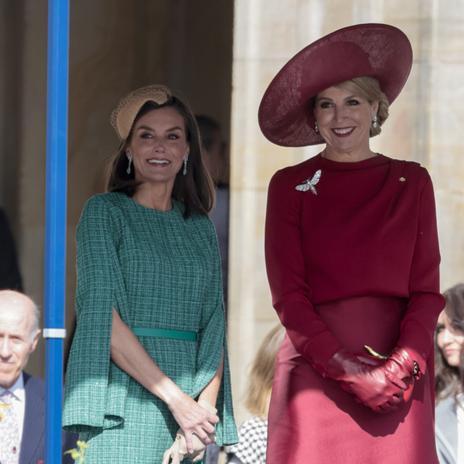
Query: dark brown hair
{"type": "Point", "coordinates": [195, 190]}
{"type": "Point", "coordinates": [449, 379]}
{"type": "Point", "coordinates": [215, 149]}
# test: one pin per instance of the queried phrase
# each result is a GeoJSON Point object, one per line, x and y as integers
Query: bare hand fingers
{"type": "Point", "coordinates": [202, 436]}
{"type": "Point", "coordinates": [213, 418]}
{"type": "Point", "coordinates": [202, 417]}
{"type": "Point", "coordinates": [208, 427]}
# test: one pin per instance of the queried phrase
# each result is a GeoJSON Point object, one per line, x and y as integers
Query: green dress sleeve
{"type": "Point", "coordinates": [91, 399]}
{"type": "Point", "coordinates": [212, 346]}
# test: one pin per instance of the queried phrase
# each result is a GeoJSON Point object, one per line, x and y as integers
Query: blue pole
{"type": "Point", "coordinates": [55, 226]}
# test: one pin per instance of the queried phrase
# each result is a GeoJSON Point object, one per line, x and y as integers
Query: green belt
{"type": "Point", "coordinates": [188, 335]}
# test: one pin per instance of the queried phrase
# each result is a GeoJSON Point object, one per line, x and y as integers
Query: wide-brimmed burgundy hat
{"type": "Point", "coordinates": [376, 50]}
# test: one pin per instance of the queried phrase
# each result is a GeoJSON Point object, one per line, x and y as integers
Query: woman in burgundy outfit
{"type": "Point", "coordinates": [352, 259]}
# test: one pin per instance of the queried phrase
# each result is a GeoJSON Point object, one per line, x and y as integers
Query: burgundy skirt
{"type": "Point", "coordinates": [312, 420]}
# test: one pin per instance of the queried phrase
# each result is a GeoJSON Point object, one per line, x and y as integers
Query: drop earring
{"type": "Point", "coordinates": [129, 164]}
{"type": "Point", "coordinates": [184, 170]}
{"type": "Point", "coordinates": [375, 122]}
{"type": "Point", "coordinates": [316, 128]}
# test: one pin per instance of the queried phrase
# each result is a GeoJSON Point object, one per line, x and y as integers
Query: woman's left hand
{"type": "Point", "coordinates": [178, 451]}
{"type": "Point", "coordinates": [194, 419]}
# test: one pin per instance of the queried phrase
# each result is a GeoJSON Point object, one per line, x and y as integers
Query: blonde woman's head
{"type": "Point", "coordinates": [262, 373]}
{"type": "Point", "coordinates": [369, 89]}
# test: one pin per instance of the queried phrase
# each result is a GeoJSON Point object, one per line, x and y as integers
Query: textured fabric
{"type": "Point", "coordinates": [251, 448]}
{"type": "Point", "coordinates": [9, 430]}
{"type": "Point", "coordinates": [355, 264]}
{"type": "Point", "coordinates": [159, 270]}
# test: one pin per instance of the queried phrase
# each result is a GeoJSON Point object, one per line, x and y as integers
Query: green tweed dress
{"type": "Point", "coordinates": [158, 270]}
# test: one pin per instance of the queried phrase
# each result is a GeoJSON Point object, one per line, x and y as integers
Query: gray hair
{"type": "Point", "coordinates": [35, 318]}
{"type": "Point", "coordinates": [16, 298]}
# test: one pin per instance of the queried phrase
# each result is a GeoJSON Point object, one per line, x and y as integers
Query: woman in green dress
{"type": "Point", "coordinates": [148, 379]}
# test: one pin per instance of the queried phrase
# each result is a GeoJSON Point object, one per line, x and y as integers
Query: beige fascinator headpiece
{"type": "Point", "coordinates": [123, 116]}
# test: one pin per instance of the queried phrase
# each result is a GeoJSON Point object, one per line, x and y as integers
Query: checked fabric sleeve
{"type": "Point", "coordinates": [90, 399]}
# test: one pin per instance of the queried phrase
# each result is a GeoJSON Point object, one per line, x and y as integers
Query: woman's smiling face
{"type": "Point", "coordinates": [344, 119]}
{"type": "Point", "coordinates": [450, 340]}
{"type": "Point", "coordinates": [158, 146]}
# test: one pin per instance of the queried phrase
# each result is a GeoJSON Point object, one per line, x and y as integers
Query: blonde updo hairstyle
{"type": "Point", "coordinates": [369, 89]}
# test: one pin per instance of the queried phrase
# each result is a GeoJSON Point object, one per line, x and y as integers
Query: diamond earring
{"type": "Point", "coordinates": [129, 158]}
{"type": "Point", "coordinates": [184, 170]}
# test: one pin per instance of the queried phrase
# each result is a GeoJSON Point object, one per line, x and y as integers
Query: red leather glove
{"type": "Point", "coordinates": [376, 384]}
{"type": "Point", "coordinates": [401, 368]}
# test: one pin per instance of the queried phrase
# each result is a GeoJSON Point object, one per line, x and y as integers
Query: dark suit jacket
{"type": "Point", "coordinates": [33, 439]}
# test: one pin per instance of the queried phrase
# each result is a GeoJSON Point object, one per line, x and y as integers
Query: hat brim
{"type": "Point", "coordinates": [376, 50]}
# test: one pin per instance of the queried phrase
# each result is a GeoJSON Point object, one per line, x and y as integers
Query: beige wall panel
{"type": "Point", "coordinates": [248, 319]}
{"type": "Point", "coordinates": [450, 213]}
{"type": "Point", "coordinates": [446, 141]}
{"type": "Point", "coordinates": [272, 25]}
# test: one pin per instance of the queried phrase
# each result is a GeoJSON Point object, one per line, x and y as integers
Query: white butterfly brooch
{"type": "Point", "coordinates": [310, 183]}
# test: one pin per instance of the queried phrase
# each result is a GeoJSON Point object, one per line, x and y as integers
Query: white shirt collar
{"type": "Point", "coordinates": [17, 389]}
